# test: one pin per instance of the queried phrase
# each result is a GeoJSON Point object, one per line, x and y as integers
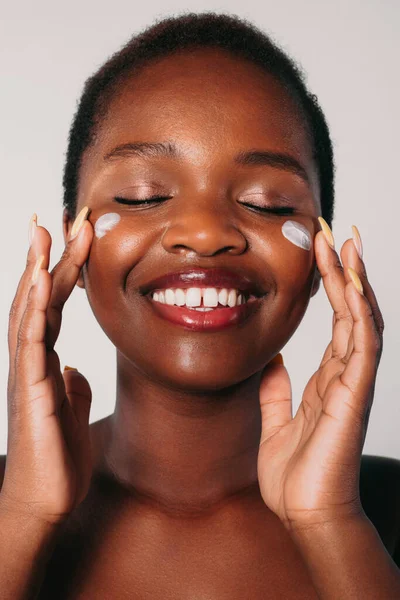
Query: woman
{"type": "Point", "coordinates": [198, 174]}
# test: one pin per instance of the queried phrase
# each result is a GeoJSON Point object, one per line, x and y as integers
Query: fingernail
{"type": "Point", "coordinates": [32, 228]}
{"type": "Point", "coordinates": [278, 359]}
{"type": "Point", "coordinates": [67, 368]}
{"type": "Point", "coordinates": [327, 232]}
{"type": "Point", "coordinates": [357, 241]}
{"type": "Point", "coordinates": [356, 280]}
{"type": "Point", "coordinates": [79, 222]}
{"type": "Point", "coordinates": [36, 268]}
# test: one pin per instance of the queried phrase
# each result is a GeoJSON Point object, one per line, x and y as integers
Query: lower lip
{"type": "Point", "coordinates": [213, 320]}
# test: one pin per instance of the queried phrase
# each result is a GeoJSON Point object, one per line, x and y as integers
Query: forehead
{"type": "Point", "coordinates": [211, 103]}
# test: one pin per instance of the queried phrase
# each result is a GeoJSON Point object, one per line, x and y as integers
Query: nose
{"type": "Point", "coordinates": [204, 229]}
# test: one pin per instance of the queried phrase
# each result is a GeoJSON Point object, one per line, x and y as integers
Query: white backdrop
{"type": "Point", "coordinates": [349, 50]}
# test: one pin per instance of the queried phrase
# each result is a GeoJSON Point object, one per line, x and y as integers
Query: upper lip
{"type": "Point", "coordinates": [212, 277]}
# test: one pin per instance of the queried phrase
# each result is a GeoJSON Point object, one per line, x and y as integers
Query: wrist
{"type": "Point", "coordinates": [27, 544]}
{"type": "Point", "coordinates": [313, 538]}
{"type": "Point", "coordinates": [335, 554]}
{"type": "Point", "coordinates": [12, 512]}
{"type": "Point", "coordinates": [322, 523]}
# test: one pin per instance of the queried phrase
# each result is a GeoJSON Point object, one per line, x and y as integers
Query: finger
{"type": "Point", "coordinates": [75, 420]}
{"type": "Point", "coordinates": [41, 244]}
{"type": "Point", "coordinates": [360, 372]}
{"type": "Point", "coordinates": [275, 399]}
{"type": "Point", "coordinates": [327, 355]}
{"type": "Point", "coordinates": [328, 352]}
{"type": "Point", "coordinates": [351, 258]}
{"type": "Point", "coordinates": [334, 283]}
{"type": "Point", "coordinates": [65, 275]}
{"type": "Point", "coordinates": [30, 356]}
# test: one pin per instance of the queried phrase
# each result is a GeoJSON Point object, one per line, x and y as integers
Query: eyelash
{"type": "Point", "coordinates": [278, 209]}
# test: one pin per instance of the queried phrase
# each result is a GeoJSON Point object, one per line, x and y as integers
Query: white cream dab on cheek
{"type": "Point", "coordinates": [297, 234]}
{"type": "Point", "coordinates": [105, 223]}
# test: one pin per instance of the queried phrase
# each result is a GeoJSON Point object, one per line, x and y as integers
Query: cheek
{"type": "Point", "coordinates": [105, 266]}
{"type": "Point", "coordinates": [106, 223]}
{"type": "Point", "coordinates": [297, 234]}
{"type": "Point", "coordinates": [294, 261]}
{"type": "Point", "coordinates": [117, 244]}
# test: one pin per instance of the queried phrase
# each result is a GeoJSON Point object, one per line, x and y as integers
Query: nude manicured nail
{"type": "Point", "coordinates": [357, 241]}
{"type": "Point", "coordinates": [278, 359]}
{"type": "Point", "coordinates": [67, 368]}
{"type": "Point", "coordinates": [327, 232]}
{"type": "Point", "coordinates": [36, 268]}
{"type": "Point", "coordinates": [356, 280]}
{"type": "Point", "coordinates": [32, 228]}
{"type": "Point", "coordinates": [79, 222]}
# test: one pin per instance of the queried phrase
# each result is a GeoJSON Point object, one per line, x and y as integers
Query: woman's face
{"type": "Point", "coordinates": [211, 106]}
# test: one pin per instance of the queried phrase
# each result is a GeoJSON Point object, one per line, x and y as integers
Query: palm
{"type": "Point", "coordinates": [308, 465]}
{"type": "Point", "coordinates": [61, 439]}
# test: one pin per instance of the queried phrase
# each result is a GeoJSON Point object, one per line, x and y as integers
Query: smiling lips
{"type": "Point", "coordinates": [236, 286]}
{"type": "Point", "coordinates": [215, 319]}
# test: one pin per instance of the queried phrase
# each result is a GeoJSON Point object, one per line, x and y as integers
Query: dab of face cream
{"type": "Point", "coordinates": [297, 234]}
{"type": "Point", "coordinates": [106, 223]}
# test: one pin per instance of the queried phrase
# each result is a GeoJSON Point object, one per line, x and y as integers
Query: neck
{"type": "Point", "coordinates": [187, 451]}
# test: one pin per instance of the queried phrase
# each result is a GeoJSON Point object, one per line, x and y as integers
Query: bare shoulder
{"type": "Point", "coordinates": [380, 498]}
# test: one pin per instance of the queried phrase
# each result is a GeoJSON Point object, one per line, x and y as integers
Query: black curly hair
{"type": "Point", "coordinates": [190, 30]}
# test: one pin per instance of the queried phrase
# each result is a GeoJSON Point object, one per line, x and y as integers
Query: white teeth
{"type": "Point", "coordinates": [192, 297]}
{"type": "Point", "coordinates": [223, 297]}
{"type": "Point", "coordinates": [169, 297]}
{"type": "Point", "coordinates": [180, 297]}
{"type": "Point", "coordinates": [232, 298]}
{"type": "Point", "coordinates": [210, 297]}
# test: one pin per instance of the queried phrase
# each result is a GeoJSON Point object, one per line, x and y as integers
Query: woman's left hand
{"type": "Point", "coordinates": [309, 465]}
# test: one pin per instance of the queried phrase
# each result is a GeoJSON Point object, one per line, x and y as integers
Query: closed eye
{"type": "Point", "coordinates": [280, 210]}
{"type": "Point", "coordinates": [144, 201]}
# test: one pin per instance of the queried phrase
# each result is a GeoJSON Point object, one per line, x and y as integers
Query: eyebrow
{"type": "Point", "coordinates": [278, 160]}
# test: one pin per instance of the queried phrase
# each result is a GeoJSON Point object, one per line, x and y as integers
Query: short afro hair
{"type": "Point", "coordinates": [192, 30]}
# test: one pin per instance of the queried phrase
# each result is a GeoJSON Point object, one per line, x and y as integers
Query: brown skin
{"type": "Point", "coordinates": [152, 461]}
{"type": "Point", "coordinates": [174, 508]}
{"type": "Point", "coordinates": [152, 441]}
{"type": "Point", "coordinates": [169, 465]}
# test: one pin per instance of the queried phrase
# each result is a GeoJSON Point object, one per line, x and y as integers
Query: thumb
{"type": "Point", "coordinates": [275, 398]}
{"type": "Point", "coordinates": [79, 394]}
{"type": "Point", "coordinates": [77, 430]}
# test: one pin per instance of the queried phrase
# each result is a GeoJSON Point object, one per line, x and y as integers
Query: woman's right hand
{"type": "Point", "coordinates": [48, 463]}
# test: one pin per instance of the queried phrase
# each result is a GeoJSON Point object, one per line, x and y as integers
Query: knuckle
{"type": "Point", "coordinates": [12, 322]}
{"type": "Point", "coordinates": [377, 327]}
{"type": "Point", "coordinates": [375, 344]}
{"type": "Point", "coordinates": [344, 316]}
{"type": "Point", "coordinates": [13, 310]}
{"type": "Point", "coordinates": [338, 265]}
{"type": "Point", "coordinates": [25, 334]}
{"type": "Point", "coordinates": [14, 405]}
{"type": "Point", "coordinates": [380, 324]}
{"type": "Point", "coordinates": [10, 386]}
